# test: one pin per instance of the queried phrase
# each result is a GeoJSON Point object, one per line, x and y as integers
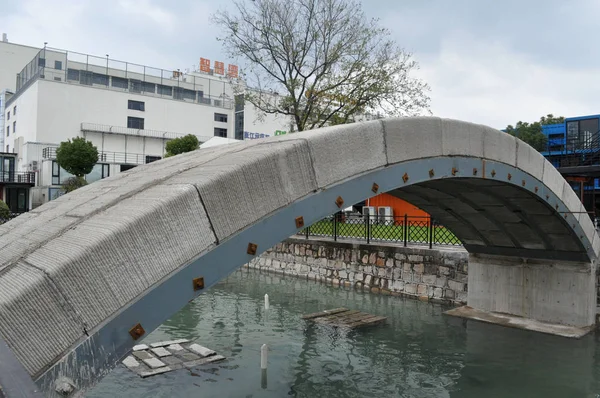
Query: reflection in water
{"type": "Point", "coordinates": [418, 353]}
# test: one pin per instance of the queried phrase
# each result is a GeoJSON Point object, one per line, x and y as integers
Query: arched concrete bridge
{"type": "Point", "coordinates": [79, 273]}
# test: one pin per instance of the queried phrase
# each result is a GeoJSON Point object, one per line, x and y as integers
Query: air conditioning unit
{"type": "Point", "coordinates": [34, 165]}
{"type": "Point", "coordinates": [385, 215]}
{"type": "Point", "coordinates": [371, 213]}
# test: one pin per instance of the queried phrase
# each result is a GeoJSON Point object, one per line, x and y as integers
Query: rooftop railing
{"type": "Point", "coordinates": [104, 128]}
{"type": "Point", "coordinates": [84, 69]}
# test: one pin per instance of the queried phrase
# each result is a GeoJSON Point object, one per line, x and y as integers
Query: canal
{"type": "Point", "coordinates": [419, 352]}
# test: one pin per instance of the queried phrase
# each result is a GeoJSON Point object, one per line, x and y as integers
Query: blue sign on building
{"type": "Point", "coordinates": [253, 136]}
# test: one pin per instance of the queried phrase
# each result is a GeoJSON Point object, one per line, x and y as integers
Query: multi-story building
{"type": "Point", "coordinates": [14, 185]}
{"type": "Point", "coordinates": [574, 149]}
{"type": "Point", "coordinates": [128, 111]}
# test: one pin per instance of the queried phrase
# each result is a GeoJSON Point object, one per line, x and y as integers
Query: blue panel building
{"type": "Point", "coordinates": [574, 149]}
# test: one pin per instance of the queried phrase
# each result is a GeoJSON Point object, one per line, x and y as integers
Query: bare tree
{"type": "Point", "coordinates": [321, 62]}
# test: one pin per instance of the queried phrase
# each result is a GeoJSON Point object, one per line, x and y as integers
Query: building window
{"type": "Point", "coordinates": [58, 65]}
{"type": "Point", "coordinates": [165, 90]}
{"type": "Point", "coordinates": [125, 167]}
{"type": "Point", "coordinates": [135, 105]}
{"type": "Point", "coordinates": [148, 87]}
{"type": "Point", "coordinates": [15, 110]}
{"type": "Point", "coordinates": [42, 62]}
{"type": "Point", "coordinates": [55, 173]}
{"type": "Point", "coordinates": [135, 86]}
{"type": "Point", "coordinates": [220, 117]}
{"type": "Point", "coordinates": [7, 149]}
{"type": "Point", "coordinates": [220, 132]}
{"type": "Point", "coordinates": [120, 82]}
{"type": "Point", "coordinates": [239, 125]}
{"type": "Point", "coordinates": [150, 159]}
{"type": "Point", "coordinates": [8, 116]}
{"type": "Point", "coordinates": [183, 94]}
{"type": "Point", "coordinates": [72, 74]}
{"type": "Point", "coordinates": [59, 175]}
{"type": "Point", "coordinates": [7, 131]}
{"type": "Point", "coordinates": [99, 171]}
{"type": "Point", "coordinates": [100, 79]}
{"type": "Point", "coordinates": [135, 123]}
{"type": "Point", "coordinates": [85, 77]}
{"type": "Point", "coordinates": [14, 126]}
{"type": "Point", "coordinates": [239, 102]}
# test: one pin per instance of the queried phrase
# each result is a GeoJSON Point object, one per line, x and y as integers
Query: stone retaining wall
{"type": "Point", "coordinates": [438, 275]}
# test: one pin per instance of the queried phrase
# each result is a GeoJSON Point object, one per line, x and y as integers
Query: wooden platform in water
{"type": "Point", "coordinates": [343, 317]}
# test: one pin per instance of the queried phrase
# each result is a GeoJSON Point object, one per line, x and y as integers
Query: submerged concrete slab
{"type": "Point", "coordinates": [519, 322]}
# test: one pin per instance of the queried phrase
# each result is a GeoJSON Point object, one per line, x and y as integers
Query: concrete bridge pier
{"type": "Point", "coordinates": [556, 297]}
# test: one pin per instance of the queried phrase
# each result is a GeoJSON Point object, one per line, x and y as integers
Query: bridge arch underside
{"type": "Point", "coordinates": [497, 218]}
{"type": "Point", "coordinates": [80, 272]}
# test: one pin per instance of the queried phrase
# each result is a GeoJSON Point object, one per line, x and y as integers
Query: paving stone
{"type": "Point", "coordinates": [160, 352]}
{"type": "Point", "coordinates": [154, 363]}
{"type": "Point", "coordinates": [131, 362]}
{"type": "Point", "coordinates": [154, 372]}
{"type": "Point", "coordinates": [142, 355]}
{"type": "Point", "coordinates": [175, 347]}
{"type": "Point", "coordinates": [172, 360]}
{"type": "Point", "coordinates": [140, 347]}
{"type": "Point", "coordinates": [188, 356]}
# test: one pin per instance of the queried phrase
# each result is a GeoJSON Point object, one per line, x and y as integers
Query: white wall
{"type": "Point", "coordinates": [26, 120]}
{"type": "Point", "coordinates": [13, 58]}
{"type": "Point", "coordinates": [266, 124]}
{"type": "Point", "coordinates": [66, 106]}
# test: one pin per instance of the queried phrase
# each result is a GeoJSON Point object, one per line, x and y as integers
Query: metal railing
{"type": "Point", "coordinates": [109, 157]}
{"type": "Point", "coordinates": [105, 128]}
{"type": "Point", "coordinates": [575, 152]}
{"type": "Point", "coordinates": [102, 72]}
{"type": "Point", "coordinates": [17, 177]}
{"type": "Point", "coordinates": [395, 229]}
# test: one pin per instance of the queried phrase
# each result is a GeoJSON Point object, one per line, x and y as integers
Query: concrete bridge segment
{"type": "Point", "coordinates": [79, 273]}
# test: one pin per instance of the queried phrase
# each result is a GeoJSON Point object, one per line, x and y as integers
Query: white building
{"type": "Point", "coordinates": [128, 111]}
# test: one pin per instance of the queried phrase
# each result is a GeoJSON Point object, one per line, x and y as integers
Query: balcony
{"type": "Point", "coordinates": [104, 128]}
{"type": "Point", "coordinates": [17, 177]}
{"type": "Point", "coordinates": [109, 157]}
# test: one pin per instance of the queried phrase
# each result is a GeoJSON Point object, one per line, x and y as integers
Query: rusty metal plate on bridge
{"type": "Point", "coordinates": [343, 317]}
{"type": "Point", "coordinates": [166, 356]}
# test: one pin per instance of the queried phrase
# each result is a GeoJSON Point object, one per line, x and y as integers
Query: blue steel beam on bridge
{"type": "Point", "coordinates": [79, 273]}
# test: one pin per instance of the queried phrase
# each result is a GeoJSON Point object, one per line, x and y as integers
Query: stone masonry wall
{"type": "Point", "coordinates": [432, 275]}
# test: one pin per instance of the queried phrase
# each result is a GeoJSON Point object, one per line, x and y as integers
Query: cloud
{"type": "Point", "coordinates": [145, 13]}
{"type": "Point", "coordinates": [487, 61]}
{"type": "Point", "coordinates": [485, 81]}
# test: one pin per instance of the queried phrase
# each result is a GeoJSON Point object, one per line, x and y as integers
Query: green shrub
{"type": "Point", "coordinates": [73, 183]}
{"type": "Point", "coordinates": [4, 211]}
{"type": "Point", "coordinates": [184, 144]}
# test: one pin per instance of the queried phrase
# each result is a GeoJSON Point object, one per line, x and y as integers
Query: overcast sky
{"type": "Point", "coordinates": [487, 61]}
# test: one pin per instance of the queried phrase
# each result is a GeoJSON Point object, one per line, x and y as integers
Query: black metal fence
{"type": "Point", "coordinates": [395, 229]}
{"type": "Point", "coordinates": [18, 177]}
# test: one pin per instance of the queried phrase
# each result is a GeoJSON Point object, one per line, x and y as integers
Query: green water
{"type": "Point", "coordinates": [419, 352]}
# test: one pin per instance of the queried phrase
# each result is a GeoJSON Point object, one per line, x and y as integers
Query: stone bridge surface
{"type": "Point", "coordinates": [78, 274]}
